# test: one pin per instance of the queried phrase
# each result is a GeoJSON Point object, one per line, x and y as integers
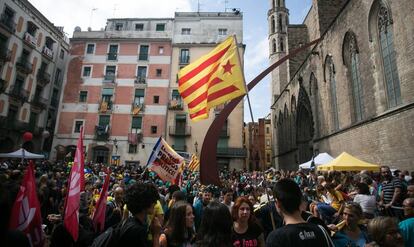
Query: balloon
{"type": "Point", "coordinates": [27, 136]}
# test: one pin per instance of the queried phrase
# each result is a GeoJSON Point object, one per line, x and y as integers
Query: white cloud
{"type": "Point", "coordinates": [74, 13]}
{"type": "Point", "coordinates": [256, 58]}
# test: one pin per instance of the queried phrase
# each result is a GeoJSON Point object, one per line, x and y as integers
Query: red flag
{"type": "Point", "coordinates": [71, 220]}
{"type": "Point", "coordinates": [25, 214]}
{"type": "Point", "coordinates": [100, 208]}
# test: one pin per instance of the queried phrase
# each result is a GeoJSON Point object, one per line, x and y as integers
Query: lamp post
{"type": "Point", "coordinates": [116, 146]}
{"type": "Point", "coordinates": [196, 147]}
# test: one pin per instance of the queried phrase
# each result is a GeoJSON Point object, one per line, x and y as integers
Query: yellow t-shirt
{"type": "Point", "coordinates": [337, 200]}
{"type": "Point", "coordinates": [157, 211]}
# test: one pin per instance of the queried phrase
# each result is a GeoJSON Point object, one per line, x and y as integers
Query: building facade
{"type": "Point", "coordinates": [33, 55]}
{"type": "Point", "coordinates": [353, 91]}
{"type": "Point", "coordinates": [259, 144]}
{"type": "Point", "coordinates": [117, 89]}
{"type": "Point", "coordinates": [195, 34]}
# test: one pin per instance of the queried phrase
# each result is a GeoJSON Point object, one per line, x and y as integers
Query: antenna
{"type": "Point", "coordinates": [198, 6]}
{"type": "Point", "coordinates": [225, 5]}
{"type": "Point", "coordinates": [90, 18]}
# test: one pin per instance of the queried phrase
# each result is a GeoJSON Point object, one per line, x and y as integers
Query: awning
{"type": "Point", "coordinates": [347, 162]}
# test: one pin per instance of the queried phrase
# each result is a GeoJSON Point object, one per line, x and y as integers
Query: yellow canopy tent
{"type": "Point", "coordinates": [347, 162]}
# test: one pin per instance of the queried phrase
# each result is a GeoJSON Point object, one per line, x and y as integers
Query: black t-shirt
{"type": "Point", "coordinates": [263, 215]}
{"type": "Point", "coordinates": [135, 233]}
{"type": "Point", "coordinates": [298, 235]}
{"type": "Point", "coordinates": [248, 238]}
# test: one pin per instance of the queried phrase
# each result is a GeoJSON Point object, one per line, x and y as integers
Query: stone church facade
{"type": "Point", "coordinates": [353, 91]}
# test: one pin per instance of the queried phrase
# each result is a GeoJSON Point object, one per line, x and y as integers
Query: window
{"type": "Point", "coordinates": [153, 129]}
{"type": "Point", "coordinates": [156, 99]}
{"type": "Point", "coordinates": [139, 27]}
{"type": "Point", "coordinates": [104, 120]}
{"type": "Point", "coordinates": [160, 27]}
{"type": "Point", "coordinates": [143, 52]}
{"type": "Point", "coordinates": [136, 123]}
{"type": "Point", "coordinates": [139, 97]}
{"type": "Point", "coordinates": [110, 72]}
{"type": "Point", "coordinates": [87, 71]}
{"type": "Point", "coordinates": [273, 45]}
{"type": "Point", "coordinates": [272, 24]}
{"type": "Point", "coordinates": [78, 125]}
{"type": "Point", "coordinates": [160, 49]}
{"type": "Point", "coordinates": [107, 94]}
{"type": "Point", "coordinates": [158, 72]}
{"type": "Point", "coordinates": [222, 31]}
{"type": "Point", "coordinates": [119, 26]}
{"type": "Point", "coordinates": [386, 41]}
{"type": "Point", "coordinates": [113, 52]}
{"type": "Point", "coordinates": [141, 74]}
{"type": "Point", "coordinates": [281, 44]}
{"type": "Point", "coordinates": [55, 97]}
{"type": "Point", "coordinates": [185, 31]}
{"type": "Point", "coordinates": [268, 142]}
{"type": "Point", "coordinates": [267, 157]}
{"type": "Point", "coordinates": [267, 130]}
{"type": "Point", "coordinates": [83, 96]}
{"type": "Point", "coordinates": [57, 77]}
{"type": "Point", "coordinates": [62, 54]}
{"type": "Point", "coordinates": [332, 83]}
{"type": "Point", "coordinates": [184, 56]}
{"type": "Point", "coordinates": [90, 49]}
{"type": "Point", "coordinates": [8, 18]}
{"type": "Point", "coordinates": [132, 148]}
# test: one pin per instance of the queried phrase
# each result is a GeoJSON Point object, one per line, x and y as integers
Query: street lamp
{"type": "Point", "coordinates": [116, 146]}
{"type": "Point", "coordinates": [196, 147]}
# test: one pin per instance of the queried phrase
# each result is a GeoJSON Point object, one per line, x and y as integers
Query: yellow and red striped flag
{"type": "Point", "coordinates": [211, 80]}
{"type": "Point", "coordinates": [194, 164]}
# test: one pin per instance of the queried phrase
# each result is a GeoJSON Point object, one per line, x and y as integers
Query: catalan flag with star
{"type": "Point", "coordinates": [211, 80]}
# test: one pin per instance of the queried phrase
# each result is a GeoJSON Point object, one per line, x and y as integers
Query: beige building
{"type": "Point", "coordinates": [354, 91]}
{"type": "Point", "coordinates": [194, 35]}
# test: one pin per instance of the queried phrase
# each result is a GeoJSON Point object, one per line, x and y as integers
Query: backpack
{"type": "Point", "coordinates": [111, 236]}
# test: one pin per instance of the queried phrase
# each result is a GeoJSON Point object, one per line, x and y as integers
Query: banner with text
{"type": "Point", "coordinates": [165, 161]}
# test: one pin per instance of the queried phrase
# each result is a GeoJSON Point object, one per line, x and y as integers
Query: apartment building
{"type": "Point", "coordinates": [258, 141]}
{"type": "Point", "coordinates": [194, 35]}
{"type": "Point", "coordinates": [117, 89]}
{"type": "Point", "coordinates": [33, 55]}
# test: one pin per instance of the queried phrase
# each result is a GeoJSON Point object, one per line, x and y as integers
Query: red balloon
{"type": "Point", "coordinates": [27, 136]}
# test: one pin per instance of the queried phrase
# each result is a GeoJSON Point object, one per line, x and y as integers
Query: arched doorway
{"type": "Point", "coordinates": [100, 154]}
{"type": "Point", "coordinates": [304, 126]}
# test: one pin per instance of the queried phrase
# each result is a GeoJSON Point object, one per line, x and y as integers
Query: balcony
{"type": "Point", "coordinates": [105, 106]}
{"type": "Point", "coordinates": [232, 152]}
{"type": "Point", "coordinates": [137, 108]}
{"type": "Point", "coordinates": [7, 23]}
{"type": "Point", "coordinates": [30, 39]}
{"type": "Point", "coordinates": [112, 56]}
{"type": "Point", "coordinates": [19, 93]}
{"type": "Point", "coordinates": [3, 85]}
{"type": "Point", "coordinates": [102, 132]}
{"type": "Point", "coordinates": [143, 57]}
{"type": "Point", "coordinates": [184, 60]}
{"type": "Point", "coordinates": [48, 52]}
{"type": "Point", "coordinates": [179, 131]}
{"type": "Point", "coordinates": [5, 55]}
{"type": "Point", "coordinates": [176, 105]}
{"type": "Point", "coordinates": [140, 80]}
{"type": "Point", "coordinates": [180, 148]}
{"type": "Point", "coordinates": [42, 77]}
{"type": "Point", "coordinates": [24, 66]}
{"type": "Point", "coordinates": [109, 78]}
{"type": "Point", "coordinates": [134, 138]}
{"type": "Point", "coordinates": [40, 102]}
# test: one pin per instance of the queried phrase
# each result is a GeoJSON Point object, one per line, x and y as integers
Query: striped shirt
{"type": "Point", "coordinates": [388, 189]}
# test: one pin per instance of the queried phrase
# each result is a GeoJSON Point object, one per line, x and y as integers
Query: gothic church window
{"type": "Point", "coordinates": [273, 45]}
{"type": "Point", "coordinates": [272, 24]}
{"type": "Point", "coordinates": [279, 23]}
{"type": "Point", "coordinates": [332, 83]}
{"type": "Point", "coordinates": [282, 48]}
{"type": "Point", "coordinates": [386, 41]}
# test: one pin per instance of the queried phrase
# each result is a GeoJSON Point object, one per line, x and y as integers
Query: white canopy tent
{"type": "Point", "coordinates": [320, 159]}
{"type": "Point", "coordinates": [19, 154]}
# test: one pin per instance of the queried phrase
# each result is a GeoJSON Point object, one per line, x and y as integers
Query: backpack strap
{"type": "Point", "coordinates": [327, 237]}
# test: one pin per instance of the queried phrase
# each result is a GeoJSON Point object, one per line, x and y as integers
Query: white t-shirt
{"type": "Point", "coordinates": [367, 203]}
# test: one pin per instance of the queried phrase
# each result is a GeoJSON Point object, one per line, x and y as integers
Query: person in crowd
{"type": "Point", "coordinates": [140, 199]}
{"type": "Point", "coordinates": [367, 201]}
{"type": "Point", "coordinates": [200, 204]}
{"type": "Point", "coordinates": [228, 197]}
{"type": "Point", "coordinates": [176, 197]}
{"type": "Point", "coordinates": [246, 231]}
{"type": "Point", "coordinates": [114, 208]}
{"type": "Point", "coordinates": [179, 230]}
{"type": "Point", "coordinates": [351, 233]}
{"type": "Point", "coordinates": [410, 191]}
{"type": "Point", "coordinates": [216, 226]}
{"type": "Point", "coordinates": [333, 206]}
{"type": "Point", "coordinates": [390, 198]}
{"type": "Point", "coordinates": [407, 225]}
{"type": "Point", "coordinates": [383, 230]}
{"type": "Point", "coordinates": [268, 217]}
{"type": "Point", "coordinates": [296, 232]}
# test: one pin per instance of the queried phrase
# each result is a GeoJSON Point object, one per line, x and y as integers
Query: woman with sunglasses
{"type": "Point", "coordinates": [351, 233]}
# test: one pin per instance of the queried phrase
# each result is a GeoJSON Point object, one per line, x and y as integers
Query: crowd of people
{"type": "Point", "coordinates": [259, 208]}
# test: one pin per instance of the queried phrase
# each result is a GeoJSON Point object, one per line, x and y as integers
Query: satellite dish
{"type": "Point", "coordinates": [78, 29]}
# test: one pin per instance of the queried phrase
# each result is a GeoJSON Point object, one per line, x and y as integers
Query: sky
{"type": "Point", "coordinates": [93, 13]}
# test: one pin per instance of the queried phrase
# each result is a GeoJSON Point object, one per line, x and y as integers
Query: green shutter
{"type": "Point", "coordinates": [139, 92]}
{"type": "Point", "coordinates": [136, 122]}
{"type": "Point", "coordinates": [107, 91]}
{"type": "Point", "coordinates": [175, 93]}
{"type": "Point", "coordinates": [104, 120]}
{"type": "Point", "coordinates": [181, 117]}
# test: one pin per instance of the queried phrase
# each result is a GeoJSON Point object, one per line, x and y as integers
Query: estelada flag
{"type": "Point", "coordinates": [211, 80]}
{"type": "Point", "coordinates": [100, 208]}
{"type": "Point", "coordinates": [76, 181]}
{"type": "Point", "coordinates": [194, 163]}
{"type": "Point", "coordinates": [25, 214]}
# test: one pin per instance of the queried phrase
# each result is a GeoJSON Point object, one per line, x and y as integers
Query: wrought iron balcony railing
{"type": "Point", "coordinates": [23, 65]}
{"type": "Point", "coordinates": [175, 105]}
{"type": "Point", "coordinates": [179, 131]}
{"type": "Point", "coordinates": [232, 152]}
{"type": "Point", "coordinates": [42, 77]}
